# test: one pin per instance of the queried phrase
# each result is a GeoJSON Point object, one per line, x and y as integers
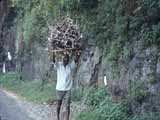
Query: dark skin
{"type": "Point", "coordinates": [65, 60]}
{"type": "Point", "coordinates": [59, 102]}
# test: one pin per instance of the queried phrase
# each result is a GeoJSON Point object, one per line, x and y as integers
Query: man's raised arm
{"type": "Point", "coordinates": [56, 58]}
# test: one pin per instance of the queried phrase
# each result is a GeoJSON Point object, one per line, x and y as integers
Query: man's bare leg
{"type": "Point", "coordinates": [59, 103]}
{"type": "Point", "coordinates": [68, 111]}
{"type": "Point", "coordinates": [68, 101]}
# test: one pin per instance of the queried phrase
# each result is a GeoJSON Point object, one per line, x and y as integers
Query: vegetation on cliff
{"type": "Point", "coordinates": [113, 25]}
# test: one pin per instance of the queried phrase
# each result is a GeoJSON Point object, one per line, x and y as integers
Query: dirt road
{"type": "Point", "coordinates": [10, 110]}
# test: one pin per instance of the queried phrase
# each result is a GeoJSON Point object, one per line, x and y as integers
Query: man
{"type": "Point", "coordinates": [65, 70]}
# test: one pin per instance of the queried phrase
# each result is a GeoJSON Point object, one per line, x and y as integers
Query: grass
{"type": "Point", "coordinates": [31, 90]}
{"type": "Point", "coordinates": [102, 107]}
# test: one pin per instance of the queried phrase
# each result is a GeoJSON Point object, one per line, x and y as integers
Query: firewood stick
{"type": "Point", "coordinates": [63, 50]}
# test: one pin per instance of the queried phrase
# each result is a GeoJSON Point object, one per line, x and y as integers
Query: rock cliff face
{"type": "Point", "coordinates": [3, 16]}
{"type": "Point", "coordinates": [7, 33]}
{"type": "Point", "coordinates": [138, 76]}
{"type": "Point", "coordinates": [88, 68]}
{"type": "Point", "coordinates": [140, 71]}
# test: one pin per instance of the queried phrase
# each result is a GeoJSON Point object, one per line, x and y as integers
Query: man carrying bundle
{"type": "Point", "coordinates": [65, 69]}
{"type": "Point", "coordinates": [64, 38]}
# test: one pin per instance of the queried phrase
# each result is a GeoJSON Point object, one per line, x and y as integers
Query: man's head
{"type": "Point", "coordinates": [66, 59]}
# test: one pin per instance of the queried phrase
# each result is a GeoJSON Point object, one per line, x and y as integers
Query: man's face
{"type": "Point", "coordinates": [65, 60]}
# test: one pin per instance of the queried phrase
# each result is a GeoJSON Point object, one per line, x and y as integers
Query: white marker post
{"type": "Point", "coordinates": [9, 56]}
{"type": "Point", "coordinates": [4, 67]}
{"type": "Point", "coordinates": [105, 81]}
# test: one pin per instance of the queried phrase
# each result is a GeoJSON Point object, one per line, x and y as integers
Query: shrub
{"type": "Point", "coordinates": [107, 110]}
{"type": "Point", "coordinates": [94, 96]}
{"type": "Point", "coordinates": [138, 91]}
{"type": "Point", "coordinates": [147, 116]}
{"type": "Point", "coordinates": [77, 94]}
{"type": "Point", "coordinates": [31, 90]}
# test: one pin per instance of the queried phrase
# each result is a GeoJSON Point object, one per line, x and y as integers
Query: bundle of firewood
{"type": "Point", "coordinates": [65, 37]}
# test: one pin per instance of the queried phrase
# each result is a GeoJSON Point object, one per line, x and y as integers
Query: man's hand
{"type": "Point", "coordinates": [56, 56]}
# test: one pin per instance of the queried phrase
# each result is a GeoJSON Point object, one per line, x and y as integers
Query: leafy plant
{"type": "Point", "coordinates": [95, 96]}
{"type": "Point", "coordinates": [106, 110]}
{"type": "Point", "coordinates": [147, 116]}
{"type": "Point", "coordinates": [138, 91]}
{"type": "Point", "coordinates": [77, 94]}
{"type": "Point", "coordinates": [31, 90]}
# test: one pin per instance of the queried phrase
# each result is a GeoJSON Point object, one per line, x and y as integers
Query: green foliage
{"type": "Point", "coordinates": [101, 21]}
{"type": "Point", "coordinates": [147, 116]}
{"type": "Point", "coordinates": [69, 5]}
{"type": "Point", "coordinates": [95, 95]}
{"type": "Point", "coordinates": [106, 23]}
{"type": "Point", "coordinates": [152, 36]}
{"type": "Point", "coordinates": [33, 17]}
{"type": "Point", "coordinates": [115, 112]}
{"type": "Point", "coordinates": [148, 7]}
{"type": "Point", "coordinates": [9, 80]}
{"type": "Point", "coordinates": [88, 116]}
{"type": "Point", "coordinates": [138, 91]}
{"type": "Point", "coordinates": [77, 94]}
{"type": "Point", "coordinates": [112, 111]}
{"type": "Point", "coordinates": [102, 107]}
{"type": "Point", "coordinates": [152, 79]}
{"type": "Point", "coordinates": [115, 51]}
{"type": "Point", "coordinates": [30, 90]}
